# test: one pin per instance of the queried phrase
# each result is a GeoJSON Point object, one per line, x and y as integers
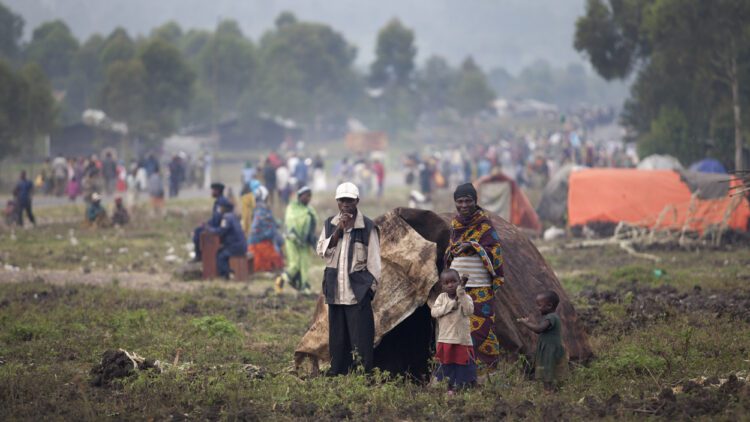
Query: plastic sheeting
{"type": "Point", "coordinates": [647, 198]}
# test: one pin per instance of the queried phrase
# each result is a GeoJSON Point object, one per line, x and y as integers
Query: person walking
{"type": "Point", "coordinates": [22, 193]}
{"type": "Point", "coordinates": [300, 221]}
{"type": "Point", "coordinates": [350, 246]}
{"type": "Point", "coordinates": [109, 172]}
{"type": "Point", "coordinates": [176, 176]}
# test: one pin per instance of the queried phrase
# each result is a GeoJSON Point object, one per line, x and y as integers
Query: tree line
{"type": "Point", "coordinates": [691, 61]}
{"type": "Point", "coordinates": [175, 78]}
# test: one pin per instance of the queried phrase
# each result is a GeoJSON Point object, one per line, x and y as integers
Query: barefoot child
{"type": "Point", "coordinates": [551, 360]}
{"type": "Point", "coordinates": [455, 351]}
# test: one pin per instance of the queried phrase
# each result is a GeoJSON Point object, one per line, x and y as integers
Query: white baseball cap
{"type": "Point", "coordinates": [347, 190]}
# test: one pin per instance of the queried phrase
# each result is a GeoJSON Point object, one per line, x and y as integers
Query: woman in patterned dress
{"type": "Point", "coordinates": [474, 250]}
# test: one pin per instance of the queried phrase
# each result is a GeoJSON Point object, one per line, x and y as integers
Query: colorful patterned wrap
{"type": "Point", "coordinates": [486, 344]}
{"type": "Point", "coordinates": [479, 232]}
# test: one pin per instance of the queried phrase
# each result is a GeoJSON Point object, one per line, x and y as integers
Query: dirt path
{"type": "Point", "coordinates": [136, 281]}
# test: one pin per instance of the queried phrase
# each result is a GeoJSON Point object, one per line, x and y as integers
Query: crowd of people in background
{"type": "Point", "coordinates": [529, 159]}
{"type": "Point", "coordinates": [76, 177]}
{"type": "Point", "coordinates": [109, 177]}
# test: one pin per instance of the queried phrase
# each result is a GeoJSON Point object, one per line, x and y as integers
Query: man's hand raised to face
{"type": "Point", "coordinates": [345, 222]}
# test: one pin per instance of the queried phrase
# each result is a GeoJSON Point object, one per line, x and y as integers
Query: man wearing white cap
{"type": "Point", "coordinates": [350, 246]}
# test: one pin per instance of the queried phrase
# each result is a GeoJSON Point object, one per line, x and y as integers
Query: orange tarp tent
{"type": "Point", "coordinates": [647, 198]}
{"type": "Point", "coordinates": [515, 207]}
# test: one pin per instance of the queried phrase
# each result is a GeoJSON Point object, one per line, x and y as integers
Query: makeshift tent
{"type": "Point", "coordinates": [708, 165]}
{"type": "Point", "coordinates": [706, 185]}
{"type": "Point", "coordinates": [649, 198]}
{"type": "Point", "coordinates": [553, 206]}
{"type": "Point", "coordinates": [412, 245]}
{"type": "Point", "coordinates": [501, 195]}
{"type": "Point", "coordinates": [660, 162]}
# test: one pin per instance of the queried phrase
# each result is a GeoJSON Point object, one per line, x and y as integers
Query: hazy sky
{"type": "Point", "coordinates": [507, 33]}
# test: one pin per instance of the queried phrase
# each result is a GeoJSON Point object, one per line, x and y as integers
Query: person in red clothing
{"type": "Point", "coordinates": [379, 169]}
{"type": "Point", "coordinates": [453, 309]}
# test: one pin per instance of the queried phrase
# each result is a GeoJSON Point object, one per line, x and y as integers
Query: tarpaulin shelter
{"type": "Point", "coordinates": [652, 198]}
{"type": "Point", "coordinates": [412, 245]}
{"type": "Point", "coordinates": [708, 165]}
{"type": "Point", "coordinates": [553, 206]}
{"type": "Point", "coordinates": [501, 195]}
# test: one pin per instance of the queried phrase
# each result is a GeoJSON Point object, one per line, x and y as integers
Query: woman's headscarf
{"type": "Point", "coordinates": [467, 189]}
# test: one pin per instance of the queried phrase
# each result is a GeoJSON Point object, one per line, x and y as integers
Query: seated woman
{"type": "Point", "coordinates": [475, 251]}
{"type": "Point", "coordinates": [264, 236]}
{"type": "Point", "coordinates": [96, 215]}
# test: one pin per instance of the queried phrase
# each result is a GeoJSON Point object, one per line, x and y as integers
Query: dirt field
{"type": "Point", "coordinates": [672, 339]}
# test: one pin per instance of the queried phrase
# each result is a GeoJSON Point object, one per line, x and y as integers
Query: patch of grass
{"type": "Point", "coordinates": [215, 339]}
{"type": "Point", "coordinates": [631, 360]}
{"type": "Point", "coordinates": [22, 332]}
{"type": "Point", "coordinates": [216, 326]}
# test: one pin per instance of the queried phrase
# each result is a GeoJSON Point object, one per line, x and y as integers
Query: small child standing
{"type": "Point", "coordinates": [551, 360]}
{"type": "Point", "coordinates": [455, 351]}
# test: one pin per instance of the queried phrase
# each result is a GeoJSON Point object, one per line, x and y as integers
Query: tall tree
{"type": "Point", "coordinates": [228, 66]}
{"type": "Point", "coordinates": [435, 80]}
{"type": "Point", "coordinates": [695, 53]}
{"type": "Point", "coordinates": [118, 46]}
{"type": "Point", "coordinates": [40, 107]}
{"type": "Point", "coordinates": [307, 70]}
{"type": "Point", "coordinates": [123, 95]}
{"type": "Point", "coordinates": [11, 30]}
{"type": "Point", "coordinates": [53, 47]}
{"type": "Point", "coordinates": [27, 108]}
{"type": "Point", "coordinates": [394, 55]}
{"type": "Point", "coordinates": [471, 93]}
{"type": "Point", "coordinates": [718, 31]}
{"type": "Point", "coordinates": [168, 82]}
{"type": "Point", "coordinates": [169, 32]}
{"type": "Point", "coordinates": [392, 74]}
{"type": "Point", "coordinates": [86, 77]}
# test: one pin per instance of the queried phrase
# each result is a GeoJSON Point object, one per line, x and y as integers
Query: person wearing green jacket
{"type": "Point", "coordinates": [300, 221]}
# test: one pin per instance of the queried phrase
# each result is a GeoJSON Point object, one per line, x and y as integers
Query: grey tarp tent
{"type": "Point", "coordinates": [553, 207]}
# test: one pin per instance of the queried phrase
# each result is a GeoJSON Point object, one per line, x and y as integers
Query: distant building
{"type": "Point", "coordinates": [266, 131]}
{"type": "Point", "coordinates": [80, 139]}
{"type": "Point", "coordinates": [91, 135]}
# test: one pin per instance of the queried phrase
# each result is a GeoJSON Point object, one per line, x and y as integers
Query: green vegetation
{"type": "Point", "coordinates": [27, 109]}
{"type": "Point", "coordinates": [175, 78]}
{"type": "Point", "coordinates": [53, 329]}
{"type": "Point", "coordinates": [692, 69]}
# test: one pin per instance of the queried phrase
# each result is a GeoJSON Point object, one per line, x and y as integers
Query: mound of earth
{"type": "Point", "coordinates": [118, 364]}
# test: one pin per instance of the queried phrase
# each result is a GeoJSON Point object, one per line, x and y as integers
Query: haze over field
{"type": "Point", "coordinates": [508, 33]}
